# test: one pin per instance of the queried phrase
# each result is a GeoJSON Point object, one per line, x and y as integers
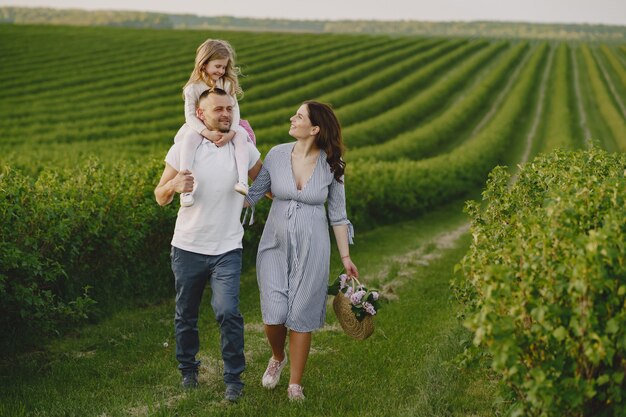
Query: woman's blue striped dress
{"type": "Point", "coordinates": [293, 260]}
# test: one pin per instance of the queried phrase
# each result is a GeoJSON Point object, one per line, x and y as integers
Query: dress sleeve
{"type": "Point", "coordinates": [192, 93]}
{"type": "Point", "coordinates": [337, 207]}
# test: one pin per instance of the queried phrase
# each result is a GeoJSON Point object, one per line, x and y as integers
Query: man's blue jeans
{"type": "Point", "coordinates": [192, 271]}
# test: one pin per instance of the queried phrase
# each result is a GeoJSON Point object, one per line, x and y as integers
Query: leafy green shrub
{"type": "Point", "coordinates": [77, 243]}
{"type": "Point", "coordinates": [544, 283]}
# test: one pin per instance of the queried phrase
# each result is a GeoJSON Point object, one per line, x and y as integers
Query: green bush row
{"type": "Point", "coordinates": [284, 59]}
{"type": "Point", "coordinates": [450, 125]}
{"type": "Point", "coordinates": [71, 237]}
{"type": "Point", "coordinates": [387, 191]}
{"type": "Point", "coordinates": [116, 102]}
{"type": "Point", "coordinates": [81, 77]}
{"type": "Point", "coordinates": [390, 95]}
{"type": "Point", "coordinates": [290, 50]}
{"type": "Point", "coordinates": [361, 89]}
{"type": "Point", "coordinates": [338, 60]}
{"type": "Point", "coordinates": [104, 95]}
{"type": "Point", "coordinates": [99, 85]}
{"type": "Point", "coordinates": [543, 284]}
{"type": "Point", "coordinates": [77, 243]}
{"type": "Point", "coordinates": [396, 92]}
{"type": "Point", "coordinates": [112, 53]}
{"type": "Point", "coordinates": [281, 110]}
{"type": "Point", "coordinates": [410, 113]}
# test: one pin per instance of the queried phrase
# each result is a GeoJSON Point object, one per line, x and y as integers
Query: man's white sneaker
{"type": "Point", "coordinates": [241, 188]}
{"type": "Point", "coordinates": [272, 373]}
{"type": "Point", "coordinates": [186, 199]}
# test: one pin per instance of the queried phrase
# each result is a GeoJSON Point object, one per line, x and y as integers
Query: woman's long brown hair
{"type": "Point", "coordinates": [329, 137]}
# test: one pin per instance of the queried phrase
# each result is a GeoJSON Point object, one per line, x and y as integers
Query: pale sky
{"type": "Point", "coordinates": [612, 12]}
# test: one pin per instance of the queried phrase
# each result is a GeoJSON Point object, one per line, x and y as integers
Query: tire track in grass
{"type": "Point", "coordinates": [505, 91]}
{"type": "Point", "coordinates": [610, 121]}
{"type": "Point", "coordinates": [403, 267]}
{"type": "Point", "coordinates": [616, 68]}
{"type": "Point", "coordinates": [609, 82]}
{"type": "Point", "coordinates": [532, 133]}
{"type": "Point", "coordinates": [582, 116]}
{"type": "Point", "coordinates": [621, 58]}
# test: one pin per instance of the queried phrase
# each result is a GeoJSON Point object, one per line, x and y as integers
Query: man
{"type": "Point", "coordinates": [207, 243]}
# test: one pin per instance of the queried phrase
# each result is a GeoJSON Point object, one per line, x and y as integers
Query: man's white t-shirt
{"type": "Point", "coordinates": [211, 226]}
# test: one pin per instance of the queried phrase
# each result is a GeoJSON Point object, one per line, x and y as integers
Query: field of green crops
{"type": "Point", "coordinates": [410, 107]}
{"type": "Point", "coordinates": [88, 114]}
{"type": "Point", "coordinates": [424, 119]}
{"type": "Point", "coordinates": [434, 104]}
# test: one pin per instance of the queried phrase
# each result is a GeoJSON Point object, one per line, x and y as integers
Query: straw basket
{"type": "Point", "coordinates": [353, 327]}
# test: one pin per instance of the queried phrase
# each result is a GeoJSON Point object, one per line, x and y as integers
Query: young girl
{"type": "Point", "coordinates": [214, 67]}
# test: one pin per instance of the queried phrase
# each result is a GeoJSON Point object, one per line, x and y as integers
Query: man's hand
{"type": "Point", "coordinates": [172, 182]}
{"type": "Point", "coordinates": [183, 182]}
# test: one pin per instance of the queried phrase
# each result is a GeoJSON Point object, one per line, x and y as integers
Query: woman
{"type": "Point", "coordinates": [294, 253]}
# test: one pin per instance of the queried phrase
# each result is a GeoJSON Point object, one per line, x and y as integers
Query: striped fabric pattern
{"type": "Point", "coordinates": [294, 252]}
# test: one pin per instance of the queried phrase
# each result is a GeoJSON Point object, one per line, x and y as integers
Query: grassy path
{"type": "Point", "coordinates": [502, 94]}
{"type": "Point", "coordinates": [582, 116]}
{"type": "Point", "coordinates": [609, 82]}
{"type": "Point", "coordinates": [121, 367]}
{"type": "Point", "coordinates": [537, 117]}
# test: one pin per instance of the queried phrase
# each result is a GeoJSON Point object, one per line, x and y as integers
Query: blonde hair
{"type": "Point", "coordinates": [210, 50]}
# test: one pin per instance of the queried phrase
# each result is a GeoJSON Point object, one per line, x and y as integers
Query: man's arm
{"type": "Point", "coordinates": [172, 182]}
{"type": "Point", "coordinates": [254, 171]}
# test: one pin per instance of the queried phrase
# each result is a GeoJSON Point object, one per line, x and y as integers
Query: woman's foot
{"type": "Point", "coordinates": [186, 199]}
{"type": "Point", "coordinates": [272, 373]}
{"type": "Point", "coordinates": [294, 392]}
{"type": "Point", "coordinates": [241, 188]}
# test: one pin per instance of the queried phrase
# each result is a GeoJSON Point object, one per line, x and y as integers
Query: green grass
{"type": "Point", "coordinates": [120, 367]}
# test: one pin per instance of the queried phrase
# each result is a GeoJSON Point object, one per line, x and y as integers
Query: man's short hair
{"type": "Point", "coordinates": [214, 90]}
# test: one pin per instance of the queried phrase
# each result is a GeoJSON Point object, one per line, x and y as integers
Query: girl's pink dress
{"type": "Point", "coordinates": [244, 123]}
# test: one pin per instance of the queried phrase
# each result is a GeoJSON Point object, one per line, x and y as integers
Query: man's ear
{"type": "Point", "coordinates": [200, 113]}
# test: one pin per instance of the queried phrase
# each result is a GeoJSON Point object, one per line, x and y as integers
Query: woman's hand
{"type": "Point", "coordinates": [350, 267]}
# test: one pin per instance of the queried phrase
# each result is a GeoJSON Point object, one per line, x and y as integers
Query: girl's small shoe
{"type": "Point", "coordinates": [241, 188]}
{"type": "Point", "coordinates": [294, 392]}
{"type": "Point", "coordinates": [186, 199]}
